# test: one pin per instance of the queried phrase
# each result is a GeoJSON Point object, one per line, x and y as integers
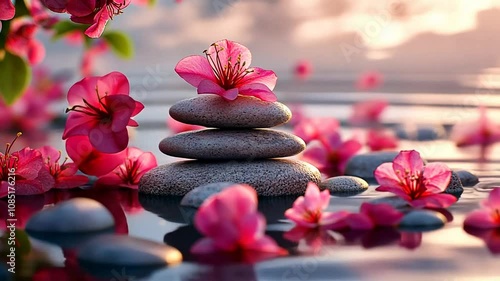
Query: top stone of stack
{"type": "Point", "coordinates": [244, 112]}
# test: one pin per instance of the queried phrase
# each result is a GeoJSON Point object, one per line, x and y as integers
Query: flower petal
{"type": "Point", "coordinates": [204, 246]}
{"type": "Point", "coordinates": [107, 141]}
{"type": "Point", "coordinates": [194, 69]}
{"type": "Point", "coordinates": [481, 219]}
{"type": "Point", "coordinates": [266, 244]}
{"type": "Point", "coordinates": [7, 10]}
{"type": "Point", "coordinates": [230, 51]}
{"type": "Point", "coordinates": [493, 200]}
{"type": "Point", "coordinates": [101, 18]}
{"type": "Point", "coordinates": [332, 218]}
{"type": "Point", "coordinates": [440, 200]}
{"type": "Point", "coordinates": [260, 76]}
{"type": "Point", "coordinates": [315, 154]}
{"type": "Point", "coordinates": [259, 91]}
{"type": "Point", "coordinates": [359, 221]}
{"type": "Point", "coordinates": [207, 86]}
{"type": "Point", "coordinates": [381, 214]}
{"type": "Point", "coordinates": [408, 161]}
{"type": "Point", "coordinates": [437, 177]}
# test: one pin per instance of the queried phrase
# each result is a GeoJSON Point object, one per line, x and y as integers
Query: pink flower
{"type": "Point", "coordinates": [367, 112]}
{"type": "Point", "coordinates": [381, 139]}
{"type": "Point", "coordinates": [369, 81]}
{"type": "Point", "coordinates": [310, 129]}
{"type": "Point", "coordinates": [21, 41]}
{"type": "Point", "coordinates": [64, 174]}
{"type": "Point", "coordinates": [231, 223]}
{"type": "Point", "coordinates": [373, 215]}
{"type": "Point", "coordinates": [308, 210]}
{"type": "Point", "coordinates": [489, 215]}
{"type": "Point", "coordinates": [7, 10]}
{"type": "Point", "coordinates": [40, 15]}
{"type": "Point", "coordinates": [330, 154]}
{"type": "Point", "coordinates": [421, 186]}
{"type": "Point", "coordinates": [179, 127]}
{"type": "Point", "coordinates": [26, 167]}
{"type": "Point", "coordinates": [94, 12]}
{"type": "Point", "coordinates": [128, 174]}
{"type": "Point", "coordinates": [89, 160]}
{"type": "Point", "coordinates": [303, 69]}
{"type": "Point", "coordinates": [101, 109]}
{"type": "Point", "coordinates": [225, 71]}
{"type": "Point", "coordinates": [482, 131]}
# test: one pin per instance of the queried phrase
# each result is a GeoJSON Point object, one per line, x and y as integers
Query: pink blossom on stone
{"type": "Point", "coordinates": [64, 174]}
{"type": "Point", "coordinates": [89, 160]}
{"type": "Point", "coordinates": [310, 129]}
{"type": "Point", "coordinates": [489, 215]}
{"type": "Point", "coordinates": [303, 70]}
{"type": "Point", "coordinates": [330, 154]}
{"type": "Point", "coordinates": [101, 109]}
{"type": "Point", "coordinates": [225, 71]}
{"type": "Point", "coordinates": [7, 10]}
{"type": "Point", "coordinates": [309, 210]}
{"type": "Point", "coordinates": [129, 173]}
{"type": "Point", "coordinates": [380, 139]}
{"type": "Point", "coordinates": [179, 127]}
{"type": "Point", "coordinates": [369, 81]}
{"type": "Point", "coordinates": [28, 169]}
{"type": "Point", "coordinates": [373, 215]}
{"type": "Point", "coordinates": [483, 131]}
{"type": "Point", "coordinates": [231, 223]}
{"type": "Point", "coordinates": [367, 112]}
{"type": "Point", "coordinates": [22, 42]}
{"type": "Point", "coordinates": [421, 186]}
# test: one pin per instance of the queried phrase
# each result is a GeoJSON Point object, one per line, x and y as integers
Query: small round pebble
{"type": "Point", "coordinates": [363, 165]}
{"type": "Point", "coordinates": [421, 132]}
{"type": "Point", "coordinates": [215, 144]}
{"type": "Point", "coordinates": [243, 112]}
{"type": "Point", "coordinates": [344, 185]}
{"type": "Point", "coordinates": [121, 250]}
{"type": "Point", "coordinates": [73, 216]}
{"type": "Point", "coordinates": [455, 187]}
{"type": "Point", "coordinates": [197, 196]}
{"type": "Point", "coordinates": [467, 178]}
{"type": "Point", "coordinates": [422, 220]}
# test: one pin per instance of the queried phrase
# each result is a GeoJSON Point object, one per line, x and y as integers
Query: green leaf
{"type": "Point", "coordinates": [151, 3]}
{"type": "Point", "coordinates": [21, 9]}
{"type": "Point", "coordinates": [15, 76]}
{"type": "Point", "coordinates": [64, 27]}
{"type": "Point", "coordinates": [120, 43]}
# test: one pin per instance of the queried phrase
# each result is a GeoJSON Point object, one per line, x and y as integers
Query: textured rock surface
{"type": "Point", "coordinates": [344, 185]}
{"type": "Point", "coordinates": [422, 219]}
{"type": "Point", "coordinates": [195, 197]}
{"type": "Point", "coordinates": [455, 186]}
{"type": "Point", "coordinates": [467, 178]}
{"type": "Point", "coordinates": [215, 144]}
{"type": "Point", "coordinates": [268, 177]}
{"type": "Point", "coordinates": [244, 112]}
{"type": "Point", "coordinates": [363, 165]}
{"type": "Point", "coordinates": [124, 250]}
{"type": "Point", "coordinates": [72, 216]}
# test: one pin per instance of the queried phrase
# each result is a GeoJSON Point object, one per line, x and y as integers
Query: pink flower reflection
{"type": "Point", "coordinates": [373, 215]}
{"type": "Point", "coordinates": [314, 238]}
{"type": "Point", "coordinates": [410, 240]}
{"type": "Point", "coordinates": [488, 217]}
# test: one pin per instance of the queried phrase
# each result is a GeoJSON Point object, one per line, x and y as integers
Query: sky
{"type": "Point", "coordinates": [343, 37]}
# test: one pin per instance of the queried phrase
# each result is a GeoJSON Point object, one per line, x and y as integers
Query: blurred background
{"type": "Point", "coordinates": [449, 43]}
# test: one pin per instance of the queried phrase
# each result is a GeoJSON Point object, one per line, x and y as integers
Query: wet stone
{"type": "Point", "coordinates": [121, 250]}
{"type": "Point", "coordinates": [215, 144]}
{"type": "Point", "coordinates": [363, 165]}
{"type": "Point", "coordinates": [421, 132]}
{"type": "Point", "coordinates": [73, 216]}
{"type": "Point", "coordinates": [271, 177]}
{"type": "Point", "coordinates": [422, 220]}
{"type": "Point", "coordinates": [197, 196]}
{"type": "Point", "coordinates": [344, 185]}
{"type": "Point", "coordinates": [243, 112]}
{"type": "Point", "coordinates": [394, 201]}
{"type": "Point", "coordinates": [467, 178]}
{"type": "Point", "coordinates": [455, 187]}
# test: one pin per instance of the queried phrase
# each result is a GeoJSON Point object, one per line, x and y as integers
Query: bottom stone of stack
{"type": "Point", "coordinates": [269, 177]}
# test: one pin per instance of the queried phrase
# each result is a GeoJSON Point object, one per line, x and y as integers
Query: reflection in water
{"type": "Point", "coordinates": [490, 236]}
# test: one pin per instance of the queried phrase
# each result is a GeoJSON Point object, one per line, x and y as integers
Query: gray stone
{"type": "Point", "coordinates": [243, 112]}
{"type": "Point", "coordinates": [455, 187]}
{"type": "Point", "coordinates": [195, 197]}
{"type": "Point", "coordinates": [121, 250]}
{"type": "Point", "coordinates": [422, 220]}
{"type": "Point", "coordinates": [363, 165]}
{"type": "Point", "coordinates": [394, 201]}
{"type": "Point", "coordinates": [216, 144]}
{"type": "Point", "coordinates": [271, 177]}
{"type": "Point", "coordinates": [344, 185]}
{"type": "Point", "coordinates": [421, 132]}
{"type": "Point", "coordinates": [73, 216]}
{"type": "Point", "coordinates": [467, 178]}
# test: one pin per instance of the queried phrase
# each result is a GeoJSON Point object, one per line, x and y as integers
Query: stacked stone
{"type": "Point", "coordinates": [238, 147]}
